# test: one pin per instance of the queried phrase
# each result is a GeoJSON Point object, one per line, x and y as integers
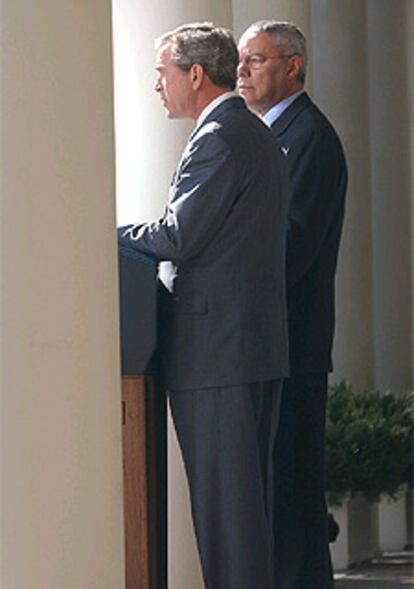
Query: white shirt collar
{"type": "Point", "coordinates": [274, 113]}
{"type": "Point", "coordinates": [212, 105]}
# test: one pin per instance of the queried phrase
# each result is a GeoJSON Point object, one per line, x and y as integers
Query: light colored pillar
{"type": "Point", "coordinates": [295, 11]}
{"type": "Point", "coordinates": [391, 206]}
{"type": "Point", "coordinates": [61, 462]}
{"type": "Point", "coordinates": [148, 149]}
{"type": "Point", "coordinates": [148, 146]}
{"type": "Point", "coordinates": [391, 223]}
{"type": "Point", "coordinates": [340, 84]}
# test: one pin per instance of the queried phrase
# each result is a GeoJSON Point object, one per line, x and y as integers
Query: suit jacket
{"type": "Point", "coordinates": [221, 244]}
{"type": "Point", "coordinates": [318, 179]}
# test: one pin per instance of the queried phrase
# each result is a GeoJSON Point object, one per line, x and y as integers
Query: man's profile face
{"type": "Point", "coordinates": [173, 85]}
{"type": "Point", "coordinates": [263, 74]}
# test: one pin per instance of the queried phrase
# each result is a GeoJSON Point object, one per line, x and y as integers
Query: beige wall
{"type": "Point", "coordinates": [61, 494]}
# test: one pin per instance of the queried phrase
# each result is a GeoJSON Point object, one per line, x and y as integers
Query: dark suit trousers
{"type": "Point", "coordinates": [302, 557]}
{"type": "Point", "coordinates": [227, 438]}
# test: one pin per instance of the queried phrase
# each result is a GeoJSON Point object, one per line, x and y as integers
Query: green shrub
{"type": "Point", "coordinates": [368, 442]}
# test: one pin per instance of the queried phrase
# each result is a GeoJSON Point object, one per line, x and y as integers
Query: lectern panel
{"type": "Point", "coordinates": [137, 286]}
{"type": "Point", "coordinates": [144, 427]}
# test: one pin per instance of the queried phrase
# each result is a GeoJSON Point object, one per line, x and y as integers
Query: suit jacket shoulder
{"type": "Point", "coordinates": [304, 119]}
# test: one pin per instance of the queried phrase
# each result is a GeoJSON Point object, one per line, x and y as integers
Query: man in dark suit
{"type": "Point", "coordinates": [224, 349]}
{"type": "Point", "coordinates": [271, 77]}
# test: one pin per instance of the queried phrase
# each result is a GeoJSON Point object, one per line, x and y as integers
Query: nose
{"type": "Point", "coordinates": [242, 69]}
{"type": "Point", "coordinates": [157, 85]}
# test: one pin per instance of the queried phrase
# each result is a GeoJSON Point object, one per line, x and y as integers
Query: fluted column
{"type": "Point", "coordinates": [390, 173]}
{"type": "Point", "coordinates": [148, 150]}
{"type": "Point", "coordinates": [340, 84]}
{"type": "Point", "coordinates": [61, 463]}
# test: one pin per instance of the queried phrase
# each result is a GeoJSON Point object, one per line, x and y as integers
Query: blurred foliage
{"type": "Point", "coordinates": [368, 443]}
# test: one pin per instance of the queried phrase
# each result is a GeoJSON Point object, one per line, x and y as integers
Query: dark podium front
{"type": "Point", "coordinates": [143, 426]}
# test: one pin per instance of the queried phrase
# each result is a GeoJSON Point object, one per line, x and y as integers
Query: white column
{"type": "Point", "coordinates": [61, 463]}
{"type": "Point", "coordinates": [340, 87]}
{"type": "Point", "coordinates": [391, 198]}
{"type": "Point", "coordinates": [295, 11]}
{"type": "Point", "coordinates": [148, 149]}
{"type": "Point", "coordinates": [392, 135]}
{"type": "Point", "coordinates": [148, 145]}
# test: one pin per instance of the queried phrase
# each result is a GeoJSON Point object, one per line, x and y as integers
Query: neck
{"type": "Point", "coordinates": [204, 99]}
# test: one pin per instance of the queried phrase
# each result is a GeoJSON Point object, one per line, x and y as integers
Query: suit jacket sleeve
{"type": "Point", "coordinates": [316, 165]}
{"type": "Point", "coordinates": [201, 196]}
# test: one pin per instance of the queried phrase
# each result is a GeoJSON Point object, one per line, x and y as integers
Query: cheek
{"type": "Point", "coordinates": [174, 87]}
{"type": "Point", "coordinates": [182, 92]}
{"type": "Point", "coordinates": [258, 82]}
{"type": "Point", "coordinates": [171, 91]}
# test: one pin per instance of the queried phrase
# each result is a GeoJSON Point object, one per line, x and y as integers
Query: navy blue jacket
{"type": "Point", "coordinates": [318, 180]}
{"type": "Point", "coordinates": [221, 244]}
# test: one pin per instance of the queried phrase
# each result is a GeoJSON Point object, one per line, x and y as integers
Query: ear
{"type": "Point", "coordinates": [197, 75]}
{"type": "Point", "coordinates": [294, 65]}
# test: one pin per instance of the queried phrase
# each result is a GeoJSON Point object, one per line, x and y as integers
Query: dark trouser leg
{"type": "Point", "coordinates": [302, 557]}
{"type": "Point", "coordinates": [226, 437]}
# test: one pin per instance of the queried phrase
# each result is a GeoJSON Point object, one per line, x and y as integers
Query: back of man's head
{"type": "Point", "coordinates": [203, 43]}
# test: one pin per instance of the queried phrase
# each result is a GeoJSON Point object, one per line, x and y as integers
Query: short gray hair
{"type": "Point", "coordinates": [212, 47]}
{"type": "Point", "coordinates": [288, 38]}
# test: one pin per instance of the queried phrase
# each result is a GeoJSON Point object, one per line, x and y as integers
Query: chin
{"type": "Point", "coordinates": [251, 104]}
{"type": "Point", "coordinates": [244, 93]}
{"type": "Point", "coordinates": [168, 113]}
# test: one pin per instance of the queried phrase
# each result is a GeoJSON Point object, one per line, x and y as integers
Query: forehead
{"type": "Point", "coordinates": [163, 57]}
{"type": "Point", "coordinates": [257, 43]}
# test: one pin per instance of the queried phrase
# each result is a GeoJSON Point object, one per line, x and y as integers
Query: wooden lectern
{"type": "Point", "coordinates": [143, 427]}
